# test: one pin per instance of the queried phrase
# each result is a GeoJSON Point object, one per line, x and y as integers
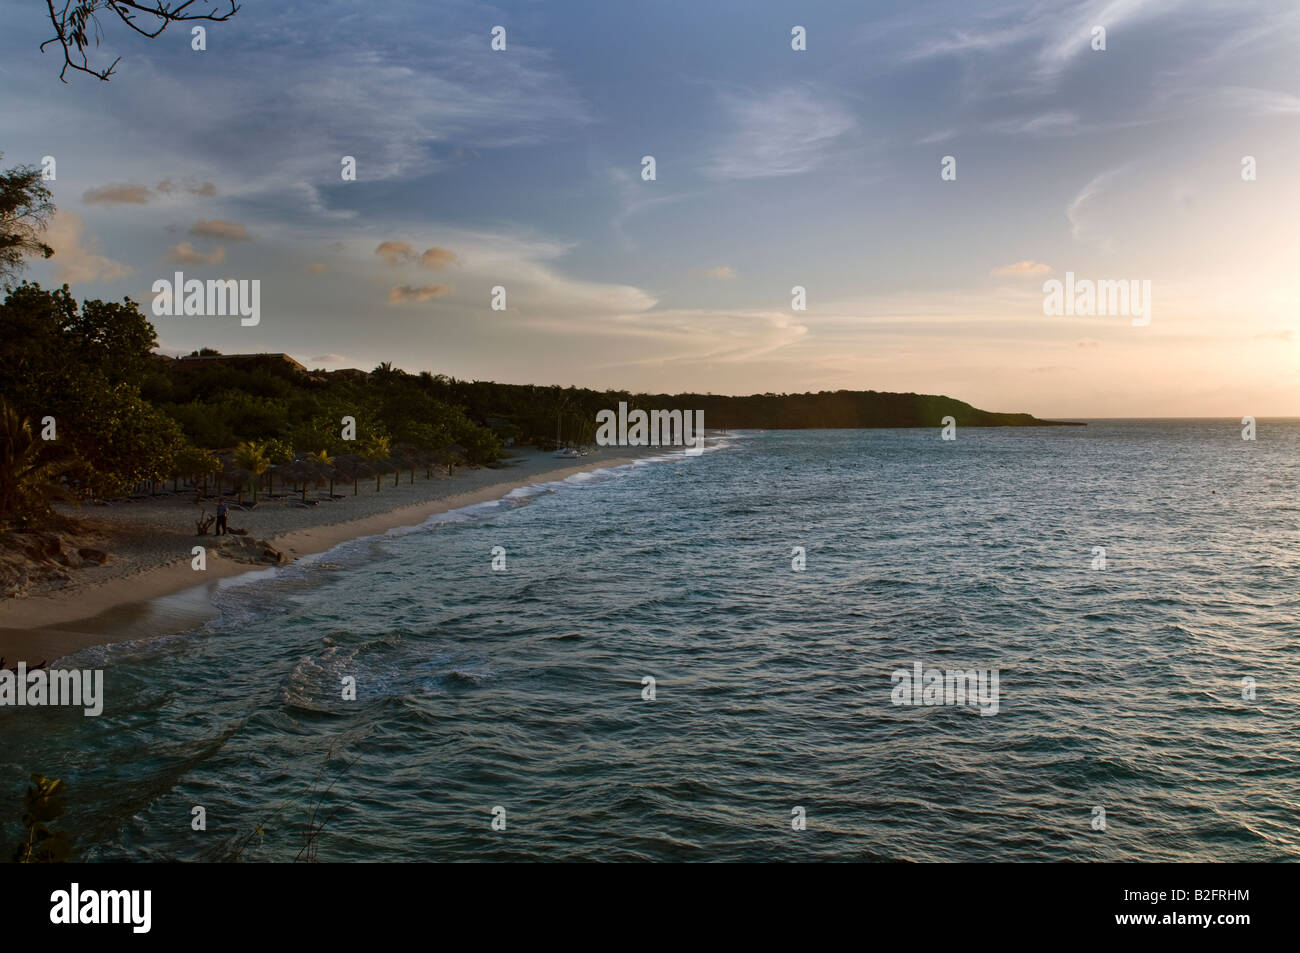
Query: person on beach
{"type": "Point", "coordinates": [222, 510]}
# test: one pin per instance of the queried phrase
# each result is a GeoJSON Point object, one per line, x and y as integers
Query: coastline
{"type": "Point", "coordinates": [163, 598]}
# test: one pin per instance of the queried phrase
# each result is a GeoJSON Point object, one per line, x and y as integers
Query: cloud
{"type": "Point", "coordinates": [316, 268]}
{"type": "Point", "coordinates": [400, 294]}
{"type": "Point", "coordinates": [401, 253]}
{"type": "Point", "coordinates": [395, 253]}
{"type": "Point", "coordinates": [722, 273]}
{"type": "Point", "coordinates": [1060, 122]}
{"type": "Point", "coordinates": [436, 258]}
{"type": "Point", "coordinates": [782, 133]}
{"type": "Point", "coordinates": [942, 135]}
{"type": "Point", "coordinates": [128, 194]}
{"type": "Point", "coordinates": [1284, 334]}
{"type": "Point", "coordinates": [220, 228]}
{"type": "Point", "coordinates": [330, 359]}
{"type": "Point", "coordinates": [76, 253]}
{"type": "Point", "coordinates": [186, 254]}
{"type": "Point", "coordinates": [167, 186]}
{"type": "Point", "coordinates": [1260, 102]}
{"type": "Point", "coordinates": [117, 195]}
{"type": "Point", "coordinates": [452, 95]}
{"type": "Point", "coordinates": [1079, 205]}
{"type": "Point", "coordinates": [1022, 269]}
{"type": "Point", "coordinates": [1050, 37]}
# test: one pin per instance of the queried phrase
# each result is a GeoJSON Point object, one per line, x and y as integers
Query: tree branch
{"type": "Point", "coordinates": [72, 22]}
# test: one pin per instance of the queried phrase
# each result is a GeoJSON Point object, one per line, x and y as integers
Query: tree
{"type": "Point", "coordinates": [42, 803]}
{"type": "Point", "coordinates": [25, 210]}
{"type": "Point", "coordinates": [76, 367]}
{"type": "Point", "coordinates": [376, 450]}
{"type": "Point", "coordinates": [198, 465]}
{"type": "Point", "coordinates": [251, 459]}
{"type": "Point", "coordinates": [28, 473]}
{"type": "Point", "coordinates": [77, 25]}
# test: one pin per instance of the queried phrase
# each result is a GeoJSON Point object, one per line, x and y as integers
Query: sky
{"type": "Point", "coordinates": [774, 168]}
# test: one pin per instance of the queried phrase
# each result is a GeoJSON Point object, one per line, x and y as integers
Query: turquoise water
{"type": "Point", "coordinates": [1119, 688]}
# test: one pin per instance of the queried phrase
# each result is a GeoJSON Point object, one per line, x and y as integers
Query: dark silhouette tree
{"type": "Point", "coordinates": [25, 210]}
{"type": "Point", "coordinates": [76, 25]}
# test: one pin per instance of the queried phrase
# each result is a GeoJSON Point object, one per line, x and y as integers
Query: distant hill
{"type": "Point", "coordinates": [842, 409]}
{"type": "Point", "coordinates": [220, 399]}
{"type": "Point", "coordinates": [846, 409]}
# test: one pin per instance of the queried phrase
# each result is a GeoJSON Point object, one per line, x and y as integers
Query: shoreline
{"type": "Point", "coordinates": [164, 599]}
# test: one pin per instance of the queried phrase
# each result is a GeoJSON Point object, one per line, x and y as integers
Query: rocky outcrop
{"type": "Point", "coordinates": [246, 549]}
{"type": "Point", "coordinates": [32, 559]}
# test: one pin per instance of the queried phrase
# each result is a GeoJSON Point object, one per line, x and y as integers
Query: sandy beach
{"type": "Point", "coordinates": [148, 587]}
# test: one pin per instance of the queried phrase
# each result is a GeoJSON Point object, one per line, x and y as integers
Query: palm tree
{"type": "Point", "coordinates": [252, 460]}
{"type": "Point", "coordinates": [376, 450]}
{"type": "Point", "coordinates": [234, 473]}
{"type": "Point", "coordinates": [27, 475]}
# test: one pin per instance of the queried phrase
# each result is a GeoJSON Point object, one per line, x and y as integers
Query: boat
{"type": "Point", "coordinates": [566, 453]}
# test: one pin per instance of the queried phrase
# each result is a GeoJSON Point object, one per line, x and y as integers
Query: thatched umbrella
{"type": "Point", "coordinates": [451, 456]}
{"type": "Point", "coordinates": [352, 468]}
{"type": "Point", "coordinates": [407, 457]}
{"type": "Point", "coordinates": [321, 472]}
{"type": "Point", "coordinates": [380, 467]}
{"type": "Point", "coordinates": [426, 460]}
{"type": "Point", "coordinates": [299, 471]}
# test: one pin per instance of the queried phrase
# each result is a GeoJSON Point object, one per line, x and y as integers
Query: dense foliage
{"type": "Point", "coordinates": [90, 409]}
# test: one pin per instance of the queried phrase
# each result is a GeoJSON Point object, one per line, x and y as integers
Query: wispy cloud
{"type": "Point", "coordinates": [206, 189]}
{"type": "Point", "coordinates": [401, 294]}
{"type": "Point", "coordinates": [1022, 269]}
{"type": "Point", "coordinates": [117, 195]}
{"type": "Point", "coordinates": [184, 253]}
{"type": "Point", "coordinates": [403, 253]}
{"type": "Point", "coordinates": [786, 132]}
{"type": "Point", "coordinates": [220, 229]}
{"type": "Point", "coordinates": [1077, 211]}
{"type": "Point", "coordinates": [1061, 122]}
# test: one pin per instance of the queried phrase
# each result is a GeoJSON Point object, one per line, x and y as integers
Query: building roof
{"type": "Point", "coordinates": [236, 359]}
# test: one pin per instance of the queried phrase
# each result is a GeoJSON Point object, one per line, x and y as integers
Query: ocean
{"type": "Point", "coordinates": [506, 714]}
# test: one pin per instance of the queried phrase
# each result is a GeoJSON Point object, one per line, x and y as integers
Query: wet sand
{"type": "Point", "coordinates": [149, 588]}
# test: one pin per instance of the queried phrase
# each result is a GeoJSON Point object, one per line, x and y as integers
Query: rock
{"type": "Point", "coordinates": [246, 549]}
{"type": "Point", "coordinates": [96, 556]}
{"type": "Point", "coordinates": [40, 547]}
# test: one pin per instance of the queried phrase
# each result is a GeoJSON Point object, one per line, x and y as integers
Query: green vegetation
{"type": "Point", "coordinates": [42, 803]}
{"type": "Point", "coordinates": [89, 411]}
{"type": "Point", "coordinates": [25, 210]}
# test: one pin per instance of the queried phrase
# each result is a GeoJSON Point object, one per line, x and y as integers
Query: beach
{"type": "Point", "coordinates": [149, 588]}
{"type": "Point", "coordinates": [653, 674]}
